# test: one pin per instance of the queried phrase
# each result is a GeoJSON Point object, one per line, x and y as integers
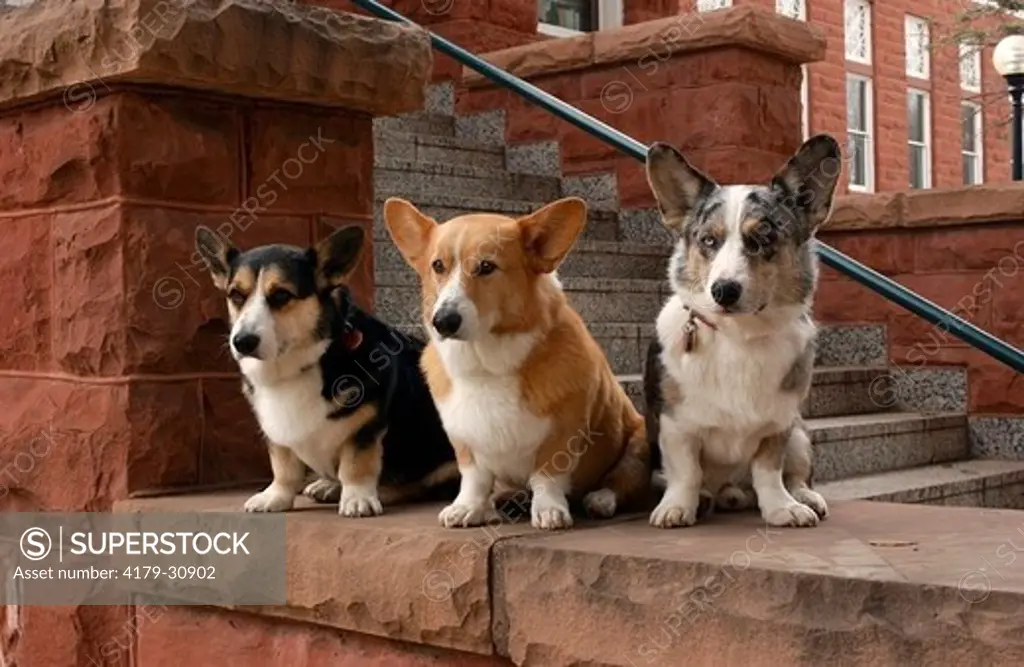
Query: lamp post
{"type": "Point", "coordinates": [1008, 58]}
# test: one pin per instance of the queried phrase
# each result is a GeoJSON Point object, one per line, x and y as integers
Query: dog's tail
{"type": "Point", "coordinates": [627, 485]}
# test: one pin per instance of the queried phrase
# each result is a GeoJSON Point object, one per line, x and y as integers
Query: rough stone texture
{"type": "Point", "coordinates": [746, 27]}
{"type": "Point", "coordinates": [872, 585]}
{"type": "Point", "coordinates": [34, 635]}
{"type": "Point", "coordinates": [985, 204]}
{"type": "Point", "coordinates": [399, 576]}
{"type": "Point", "coordinates": [994, 484]}
{"type": "Point", "coordinates": [997, 437]}
{"type": "Point", "coordinates": [277, 50]}
{"type": "Point", "coordinates": [203, 637]}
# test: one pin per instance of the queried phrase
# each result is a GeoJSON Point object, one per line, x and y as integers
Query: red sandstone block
{"type": "Point", "coordinates": [884, 251]}
{"type": "Point", "coordinates": [968, 295]}
{"type": "Point", "coordinates": [196, 158]}
{"type": "Point", "coordinates": [725, 114]}
{"type": "Point", "coordinates": [975, 247]}
{"type": "Point", "coordinates": [741, 65]}
{"type": "Point", "coordinates": [1008, 302]}
{"type": "Point", "coordinates": [315, 162]}
{"type": "Point", "coordinates": [531, 124]}
{"type": "Point", "coordinates": [993, 388]}
{"type": "Point", "coordinates": [233, 449]}
{"type": "Point", "coordinates": [779, 122]}
{"type": "Point", "coordinates": [201, 637]}
{"type": "Point", "coordinates": [25, 300]}
{"type": "Point", "coordinates": [65, 444]}
{"type": "Point", "coordinates": [479, 100]}
{"type": "Point", "coordinates": [166, 421]}
{"type": "Point", "coordinates": [844, 301]}
{"type": "Point", "coordinates": [73, 636]}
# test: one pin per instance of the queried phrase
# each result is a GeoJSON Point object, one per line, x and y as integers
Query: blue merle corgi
{"type": "Point", "coordinates": [334, 389]}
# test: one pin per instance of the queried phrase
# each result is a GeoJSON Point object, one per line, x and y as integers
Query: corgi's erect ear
{"type": "Point", "coordinates": [549, 233]}
{"type": "Point", "coordinates": [337, 255]}
{"type": "Point", "coordinates": [217, 253]}
{"type": "Point", "coordinates": [806, 184]}
{"type": "Point", "coordinates": [409, 229]}
{"type": "Point", "coordinates": [677, 185]}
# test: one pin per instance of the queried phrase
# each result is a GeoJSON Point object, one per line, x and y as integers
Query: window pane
{"type": "Point", "coordinates": [968, 127]}
{"type": "Point", "coordinates": [918, 166]}
{"type": "Point", "coordinates": [970, 169]}
{"type": "Point", "coordinates": [915, 116]}
{"type": "Point", "coordinates": [572, 14]}
{"type": "Point", "coordinates": [857, 149]}
{"type": "Point", "coordinates": [856, 104]}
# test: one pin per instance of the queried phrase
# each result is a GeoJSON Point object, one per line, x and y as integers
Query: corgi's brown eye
{"type": "Point", "coordinates": [485, 268]}
{"type": "Point", "coordinates": [279, 298]}
{"type": "Point", "coordinates": [237, 297]}
{"type": "Point", "coordinates": [437, 265]}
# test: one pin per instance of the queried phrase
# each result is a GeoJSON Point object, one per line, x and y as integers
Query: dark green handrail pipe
{"type": "Point", "coordinates": [873, 280]}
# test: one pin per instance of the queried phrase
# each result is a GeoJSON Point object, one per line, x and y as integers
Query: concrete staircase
{"type": "Point", "coordinates": [880, 433]}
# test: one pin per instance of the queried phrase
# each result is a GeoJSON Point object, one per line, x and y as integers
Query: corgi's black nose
{"type": "Point", "coordinates": [245, 344]}
{"type": "Point", "coordinates": [726, 292]}
{"type": "Point", "coordinates": [447, 322]}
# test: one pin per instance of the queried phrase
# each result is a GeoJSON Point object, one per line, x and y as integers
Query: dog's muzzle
{"type": "Point", "coordinates": [246, 345]}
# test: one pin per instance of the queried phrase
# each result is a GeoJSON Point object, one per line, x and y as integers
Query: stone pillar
{"type": "Point", "coordinates": [123, 126]}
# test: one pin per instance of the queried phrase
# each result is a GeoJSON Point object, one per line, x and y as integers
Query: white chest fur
{"type": "Point", "coordinates": [731, 380]}
{"type": "Point", "coordinates": [293, 414]}
{"type": "Point", "coordinates": [485, 410]}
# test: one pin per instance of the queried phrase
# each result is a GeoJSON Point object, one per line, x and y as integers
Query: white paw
{"type": "Point", "coordinates": [600, 504]}
{"type": "Point", "coordinates": [669, 514]}
{"type": "Point", "coordinates": [813, 500]}
{"type": "Point", "coordinates": [323, 491]}
{"type": "Point", "coordinates": [359, 502]}
{"type": "Point", "coordinates": [271, 499]}
{"type": "Point", "coordinates": [550, 514]}
{"type": "Point", "coordinates": [459, 515]}
{"type": "Point", "coordinates": [796, 515]}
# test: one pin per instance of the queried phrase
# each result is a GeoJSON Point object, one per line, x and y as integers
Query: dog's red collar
{"type": "Point", "coordinates": [352, 338]}
{"type": "Point", "coordinates": [690, 328]}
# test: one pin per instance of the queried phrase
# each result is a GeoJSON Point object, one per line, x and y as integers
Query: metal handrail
{"type": "Point", "coordinates": [873, 280]}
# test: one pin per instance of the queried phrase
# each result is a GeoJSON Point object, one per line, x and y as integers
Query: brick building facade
{"type": "Point", "coordinates": [916, 109]}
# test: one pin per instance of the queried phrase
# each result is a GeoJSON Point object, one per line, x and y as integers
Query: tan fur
{"type": "Point", "coordinates": [598, 435]}
{"type": "Point", "coordinates": [287, 468]}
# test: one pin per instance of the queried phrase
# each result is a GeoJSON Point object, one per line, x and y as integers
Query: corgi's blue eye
{"type": "Point", "coordinates": [438, 266]}
{"type": "Point", "coordinates": [485, 268]}
{"type": "Point", "coordinates": [278, 298]}
{"type": "Point", "coordinates": [709, 241]}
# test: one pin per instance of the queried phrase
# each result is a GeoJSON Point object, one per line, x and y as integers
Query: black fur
{"type": "Point", "coordinates": [653, 400]}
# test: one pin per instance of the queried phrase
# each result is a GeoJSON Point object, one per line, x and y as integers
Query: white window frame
{"type": "Point", "coordinates": [848, 6]}
{"type": "Point", "coordinates": [805, 101]}
{"type": "Point", "coordinates": [782, 5]}
{"type": "Point", "coordinates": [972, 51]}
{"type": "Point", "coordinates": [868, 133]}
{"type": "Point", "coordinates": [609, 15]}
{"type": "Point", "coordinates": [927, 143]}
{"type": "Point", "coordinates": [913, 26]}
{"type": "Point", "coordinates": [711, 5]}
{"type": "Point", "coordinates": [979, 139]}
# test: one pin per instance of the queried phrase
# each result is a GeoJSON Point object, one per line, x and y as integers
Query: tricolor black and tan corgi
{"type": "Point", "coordinates": [333, 388]}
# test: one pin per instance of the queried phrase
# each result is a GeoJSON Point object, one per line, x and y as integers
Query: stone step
{"type": "Point", "coordinates": [598, 259]}
{"type": "Point", "coordinates": [597, 300]}
{"type": "Point", "coordinates": [419, 123]}
{"type": "Point", "coordinates": [975, 483]}
{"type": "Point", "coordinates": [835, 392]}
{"type": "Point", "coordinates": [433, 178]}
{"type": "Point", "coordinates": [850, 445]}
{"type": "Point", "coordinates": [430, 148]}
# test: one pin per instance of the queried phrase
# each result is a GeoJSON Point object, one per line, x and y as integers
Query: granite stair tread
{"type": "Point", "coordinates": [928, 482]}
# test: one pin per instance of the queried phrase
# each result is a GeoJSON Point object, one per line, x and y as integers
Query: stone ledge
{"type": "Point", "coordinates": [978, 204]}
{"type": "Point", "coordinates": [874, 584]}
{"type": "Point", "coordinates": [270, 49]}
{"type": "Point", "coordinates": [747, 27]}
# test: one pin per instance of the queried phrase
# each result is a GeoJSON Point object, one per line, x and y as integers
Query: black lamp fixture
{"type": "Point", "coordinates": [1008, 59]}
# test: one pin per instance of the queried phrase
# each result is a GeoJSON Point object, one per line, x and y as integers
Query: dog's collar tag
{"type": "Point", "coordinates": [690, 329]}
{"type": "Point", "coordinates": [353, 338]}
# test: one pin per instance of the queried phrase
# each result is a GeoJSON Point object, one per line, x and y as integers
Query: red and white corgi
{"type": "Point", "coordinates": [524, 392]}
